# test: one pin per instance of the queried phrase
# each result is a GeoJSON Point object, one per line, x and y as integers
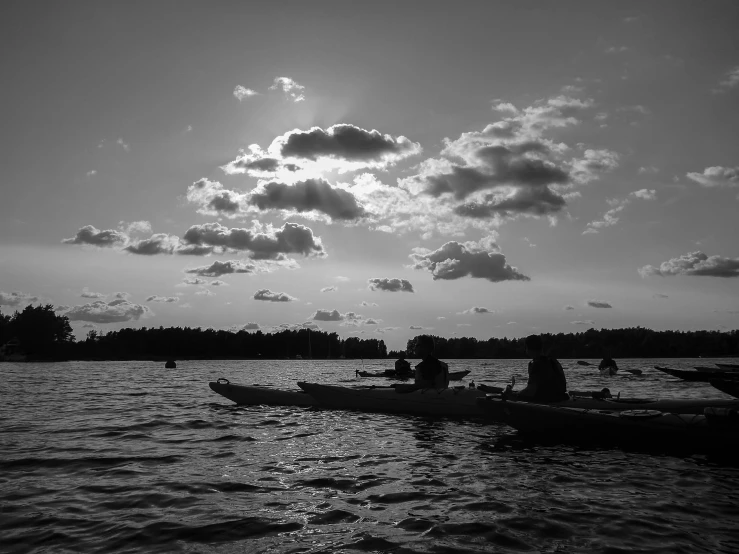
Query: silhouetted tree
{"type": "Point", "coordinates": [40, 331]}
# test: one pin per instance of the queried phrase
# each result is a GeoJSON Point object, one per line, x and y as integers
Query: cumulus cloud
{"type": "Point", "coordinates": [193, 281]}
{"type": "Point", "coordinates": [60, 308]}
{"type": "Point", "coordinates": [88, 326]}
{"type": "Point", "coordinates": [327, 315]}
{"type": "Point", "coordinates": [416, 327]}
{"type": "Point", "coordinates": [730, 81]}
{"type": "Point", "coordinates": [598, 304]}
{"type": "Point", "coordinates": [695, 263]}
{"type": "Point", "coordinates": [205, 292]}
{"type": "Point", "coordinates": [159, 243]}
{"type": "Point", "coordinates": [306, 196]}
{"type": "Point", "coordinates": [163, 299]}
{"type": "Point", "coordinates": [86, 293]}
{"type": "Point", "coordinates": [567, 308]}
{"type": "Point", "coordinates": [611, 217]}
{"type": "Point", "coordinates": [262, 242]}
{"type": "Point", "coordinates": [365, 303]}
{"type": "Point", "coordinates": [121, 295]}
{"type": "Point", "coordinates": [123, 144]}
{"type": "Point", "coordinates": [134, 227]}
{"type": "Point", "coordinates": [454, 260]}
{"type": "Point", "coordinates": [371, 321]}
{"type": "Point", "coordinates": [345, 142]}
{"type": "Point", "coordinates": [241, 93]}
{"type": "Point", "coordinates": [217, 268]}
{"type": "Point", "coordinates": [95, 237]}
{"type": "Point", "coordinates": [92, 173]}
{"type": "Point", "coordinates": [291, 89]}
{"type": "Point", "coordinates": [390, 285]}
{"type": "Point", "coordinates": [213, 199]}
{"type": "Point", "coordinates": [476, 310]}
{"type": "Point", "coordinates": [16, 298]}
{"type": "Point", "coordinates": [593, 163]}
{"type": "Point", "coordinates": [251, 326]}
{"type": "Point", "coordinates": [269, 296]}
{"type": "Point", "coordinates": [527, 200]}
{"type": "Point", "coordinates": [716, 176]}
{"type": "Point", "coordinates": [111, 312]}
{"type": "Point", "coordinates": [586, 322]}
{"type": "Point", "coordinates": [218, 283]}
{"type": "Point", "coordinates": [332, 288]}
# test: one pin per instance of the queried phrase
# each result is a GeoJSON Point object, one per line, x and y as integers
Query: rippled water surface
{"type": "Point", "coordinates": [129, 456]}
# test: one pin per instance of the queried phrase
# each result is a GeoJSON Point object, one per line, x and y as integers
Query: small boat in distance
{"type": "Point", "coordinates": [170, 364]}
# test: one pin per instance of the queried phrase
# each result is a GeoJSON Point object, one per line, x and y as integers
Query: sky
{"type": "Point", "coordinates": [379, 170]}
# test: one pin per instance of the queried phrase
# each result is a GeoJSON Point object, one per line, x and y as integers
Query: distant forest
{"type": "Point", "coordinates": [45, 335]}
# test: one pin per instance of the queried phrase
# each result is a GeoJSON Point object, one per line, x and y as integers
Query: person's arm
{"type": "Point", "coordinates": [530, 389]}
{"type": "Point", "coordinates": [445, 375]}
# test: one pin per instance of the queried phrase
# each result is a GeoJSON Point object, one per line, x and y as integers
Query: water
{"type": "Point", "coordinates": [128, 456]}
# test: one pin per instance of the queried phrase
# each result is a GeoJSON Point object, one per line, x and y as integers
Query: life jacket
{"type": "Point", "coordinates": [549, 377]}
{"type": "Point", "coordinates": [434, 370]}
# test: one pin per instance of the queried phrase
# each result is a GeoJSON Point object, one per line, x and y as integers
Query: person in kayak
{"type": "Point", "coordinates": [431, 372]}
{"type": "Point", "coordinates": [402, 366]}
{"type": "Point", "coordinates": [608, 365]}
{"type": "Point", "coordinates": [547, 382]}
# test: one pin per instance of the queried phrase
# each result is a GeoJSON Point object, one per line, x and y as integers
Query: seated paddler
{"type": "Point", "coordinates": [547, 382]}
{"type": "Point", "coordinates": [430, 372]}
{"type": "Point", "coordinates": [402, 366]}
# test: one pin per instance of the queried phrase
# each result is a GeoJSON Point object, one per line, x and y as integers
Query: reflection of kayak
{"type": "Point", "coordinates": [698, 375]}
{"type": "Point", "coordinates": [715, 427]}
{"type": "Point", "coordinates": [461, 402]}
{"type": "Point", "coordinates": [391, 374]}
{"type": "Point", "coordinates": [257, 395]}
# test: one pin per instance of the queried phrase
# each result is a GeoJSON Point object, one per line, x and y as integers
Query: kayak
{"type": "Point", "coordinates": [462, 401]}
{"type": "Point", "coordinates": [391, 374]}
{"type": "Point", "coordinates": [729, 387]}
{"type": "Point", "coordinates": [729, 367]}
{"type": "Point", "coordinates": [704, 369]}
{"type": "Point", "coordinates": [408, 399]}
{"type": "Point", "coordinates": [714, 426]}
{"type": "Point", "coordinates": [698, 375]}
{"type": "Point", "coordinates": [257, 395]}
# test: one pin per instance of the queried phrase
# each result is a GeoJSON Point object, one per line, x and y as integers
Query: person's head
{"type": "Point", "coordinates": [424, 345]}
{"type": "Point", "coordinates": [534, 345]}
{"type": "Point", "coordinates": [401, 356]}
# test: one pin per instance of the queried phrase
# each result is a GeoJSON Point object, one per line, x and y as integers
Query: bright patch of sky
{"type": "Point", "coordinates": [469, 174]}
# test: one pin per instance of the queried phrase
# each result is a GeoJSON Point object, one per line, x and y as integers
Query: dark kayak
{"type": "Point", "coordinates": [258, 395]}
{"type": "Point", "coordinates": [729, 387]}
{"type": "Point", "coordinates": [688, 375]}
{"type": "Point", "coordinates": [392, 374]}
{"type": "Point", "coordinates": [714, 427]}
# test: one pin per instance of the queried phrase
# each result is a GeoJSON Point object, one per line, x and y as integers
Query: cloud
{"type": "Point", "coordinates": [92, 173]}
{"type": "Point", "coordinates": [305, 196]}
{"type": "Point", "coordinates": [586, 322]}
{"type": "Point", "coordinates": [241, 93]}
{"type": "Point", "coordinates": [567, 308]}
{"type": "Point", "coordinates": [441, 317]}
{"type": "Point", "coordinates": [86, 293]}
{"type": "Point", "coordinates": [326, 315]}
{"type": "Point", "coordinates": [269, 296]}
{"type": "Point", "coordinates": [390, 285]}
{"type": "Point", "coordinates": [121, 295]}
{"type": "Point", "coordinates": [659, 296]}
{"type": "Point", "coordinates": [455, 260]}
{"type": "Point", "coordinates": [332, 288]}
{"type": "Point", "coordinates": [598, 304]}
{"type": "Point", "coordinates": [16, 298]}
{"type": "Point", "coordinates": [345, 142]}
{"type": "Point", "coordinates": [648, 170]}
{"type": "Point", "coordinates": [251, 326]}
{"type": "Point", "coordinates": [695, 263]}
{"type": "Point", "coordinates": [160, 243]}
{"type": "Point", "coordinates": [292, 90]}
{"type": "Point", "coordinates": [365, 303]}
{"type": "Point", "coordinates": [731, 80]}
{"type": "Point", "coordinates": [217, 268]}
{"type": "Point", "coordinates": [94, 237]}
{"type": "Point", "coordinates": [464, 325]}
{"type": "Point", "coordinates": [205, 292]}
{"type": "Point", "coordinates": [194, 281]}
{"type": "Point", "coordinates": [112, 312]}
{"type": "Point", "coordinates": [611, 218]}
{"type": "Point", "coordinates": [61, 308]}
{"type": "Point", "coordinates": [716, 176]}
{"type": "Point", "coordinates": [263, 242]}
{"type": "Point", "coordinates": [617, 49]}
{"type": "Point", "coordinates": [213, 199]}
{"type": "Point", "coordinates": [476, 310]}
{"type": "Point", "coordinates": [593, 163]}
{"type": "Point", "coordinates": [163, 299]}
{"type": "Point", "coordinates": [88, 326]}
{"type": "Point", "coordinates": [416, 327]}
{"type": "Point", "coordinates": [525, 200]}
{"type": "Point", "coordinates": [134, 227]}
{"type": "Point", "coordinates": [123, 144]}
{"type": "Point", "coordinates": [371, 321]}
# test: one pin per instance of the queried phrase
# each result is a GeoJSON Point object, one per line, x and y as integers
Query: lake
{"type": "Point", "coordinates": [131, 457]}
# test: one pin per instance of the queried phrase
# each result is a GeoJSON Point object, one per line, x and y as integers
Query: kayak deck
{"type": "Point", "coordinates": [258, 395]}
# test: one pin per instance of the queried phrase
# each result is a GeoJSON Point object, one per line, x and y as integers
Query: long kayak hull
{"type": "Point", "coordinates": [700, 376]}
{"type": "Point", "coordinates": [720, 428]}
{"type": "Point", "coordinates": [728, 387]}
{"type": "Point", "coordinates": [462, 401]}
{"type": "Point", "coordinates": [256, 395]}
{"type": "Point", "coordinates": [390, 374]}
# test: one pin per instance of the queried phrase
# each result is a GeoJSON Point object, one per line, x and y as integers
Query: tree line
{"type": "Point", "coordinates": [45, 335]}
